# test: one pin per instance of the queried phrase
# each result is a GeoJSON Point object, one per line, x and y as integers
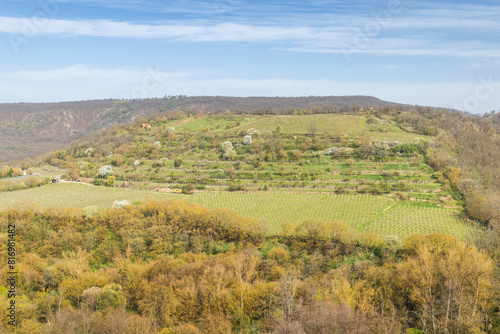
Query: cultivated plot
{"type": "Point", "coordinates": [379, 214]}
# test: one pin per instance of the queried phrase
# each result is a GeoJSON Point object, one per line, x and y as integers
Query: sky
{"type": "Point", "coordinates": [439, 53]}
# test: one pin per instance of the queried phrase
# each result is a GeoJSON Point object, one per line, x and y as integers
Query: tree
{"type": "Point", "coordinates": [226, 146]}
{"type": "Point", "coordinates": [105, 171]}
{"type": "Point", "coordinates": [313, 128]}
{"type": "Point", "coordinates": [110, 181]}
{"type": "Point", "coordinates": [247, 140]}
{"type": "Point", "coordinates": [117, 160]}
{"type": "Point", "coordinates": [244, 268]}
{"type": "Point", "coordinates": [297, 154]}
{"type": "Point", "coordinates": [288, 289]}
{"type": "Point", "coordinates": [449, 284]}
{"type": "Point", "coordinates": [187, 188]}
{"type": "Point", "coordinates": [111, 295]}
{"type": "Point", "coordinates": [228, 152]}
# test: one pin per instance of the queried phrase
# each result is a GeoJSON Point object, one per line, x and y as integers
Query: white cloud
{"type": "Point", "coordinates": [332, 34]}
{"type": "Point", "coordinates": [185, 32]}
{"type": "Point", "coordinates": [82, 82]}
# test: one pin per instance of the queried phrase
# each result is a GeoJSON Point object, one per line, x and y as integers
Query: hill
{"type": "Point", "coordinates": [366, 153]}
{"type": "Point", "coordinates": [340, 218]}
{"type": "Point", "coordinates": [28, 130]}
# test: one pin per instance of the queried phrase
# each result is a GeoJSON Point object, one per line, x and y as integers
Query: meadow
{"type": "Point", "coordinates": [354, 125]}
{"type": "Point", "coordinates": [380, 214]}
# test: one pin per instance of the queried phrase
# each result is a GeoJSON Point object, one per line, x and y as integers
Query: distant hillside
{"type": "Point", "coordinates": [28, 130]}
{"type": "Point", "coordinates": [495, 119]}
{"type": "Point", "coordinates": [205, 103]}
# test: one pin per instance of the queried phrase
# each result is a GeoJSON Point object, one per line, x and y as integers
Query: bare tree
{"type": "Point", "coordinates": [288, 289]}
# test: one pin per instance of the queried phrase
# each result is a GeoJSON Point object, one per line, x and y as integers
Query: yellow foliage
{"type": "Point", "coordinates": [279, 254]}
{"type": "Point", "coordinates": [357, 295]}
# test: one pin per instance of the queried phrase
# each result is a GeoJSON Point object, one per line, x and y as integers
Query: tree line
{"type": "Point", "coordinates": [173, 267]}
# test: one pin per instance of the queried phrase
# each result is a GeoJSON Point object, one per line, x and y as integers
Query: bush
{"type": "Point", "coordinates": [90, 211]}
{"type": "Point", "coordinates": [32, 182]}
{"type": "Point", "coordinates": [178, 162]}
{"type": "Point", "coordinates": [120, 204]}
{"type": "Point", "coordinates": [117, 160]}
{"type": "Point", "coordinates": [342, 190]}
{"type": "Point", "coordinates": [235, 187]}
{"type": "Point", "coordinates": [187, 188]}
{"type": "Point", "coordinates": [110, 181]}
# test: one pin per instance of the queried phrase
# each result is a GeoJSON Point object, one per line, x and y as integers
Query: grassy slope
{"type": "Point", "coordinates": [353, 125]}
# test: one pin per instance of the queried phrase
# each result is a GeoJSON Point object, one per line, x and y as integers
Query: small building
{"type": "Point", "coordinates": [146, 126]}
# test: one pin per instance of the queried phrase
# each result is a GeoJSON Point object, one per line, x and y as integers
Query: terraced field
{"type": "Point", "coordinates": [379, 214]}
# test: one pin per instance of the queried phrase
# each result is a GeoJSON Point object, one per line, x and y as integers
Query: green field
{"type": "Point", "coordinates": [353, 125]}
{"type": "Point", "coordinates": [302, 124]}
{"type": "Point", "coordinates": [379, 214]}
{"type": "Point", "coordinates": [75, 195]}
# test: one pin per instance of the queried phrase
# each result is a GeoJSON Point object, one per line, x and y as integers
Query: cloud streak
{"type": "Point", "coordinates": [326, 39]}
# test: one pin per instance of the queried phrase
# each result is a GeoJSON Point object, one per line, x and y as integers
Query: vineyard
{"type": "Point", "coordinates": [380, 214]}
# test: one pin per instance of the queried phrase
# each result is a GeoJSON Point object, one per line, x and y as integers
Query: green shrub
{"type": "Point", "coordinates": [110, 181]}
{"type": "Point", "coordinates": [187, 188]}
{"type": "Point", "coordinates": [178, 162]}
{"type": "Point", "coordinates": [235, 187]}
{"type": "Point", "coordinates": [111, 295]}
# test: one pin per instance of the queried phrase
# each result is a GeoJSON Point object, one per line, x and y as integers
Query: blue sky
{"type": "Point", "coordinates": [439, 53]}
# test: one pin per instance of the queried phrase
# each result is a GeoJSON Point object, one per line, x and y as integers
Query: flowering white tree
{"type": "Point", "coordinates": [253, 132]}
{"type": "Point", "coordinates": [90, 210]}
{"type": "Point", "coordinates": [247, 140]}
{"type": "Point", "coordinates": [228, 152]}
{"type": "Point", "coordinates": [105, 170]}
{"type": "Point", "coordinates": [120, 204]}
{"type": "Point", "coordinates": [226, 146]}
{"type": "Point", "coordinates": [83, 164]}
{"type": "Point", "coordinates": [89, 151]}
{"type": "Point", "coordinates": [137, 163]}
{"type": "Point", "coordinates": [157, 144]}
